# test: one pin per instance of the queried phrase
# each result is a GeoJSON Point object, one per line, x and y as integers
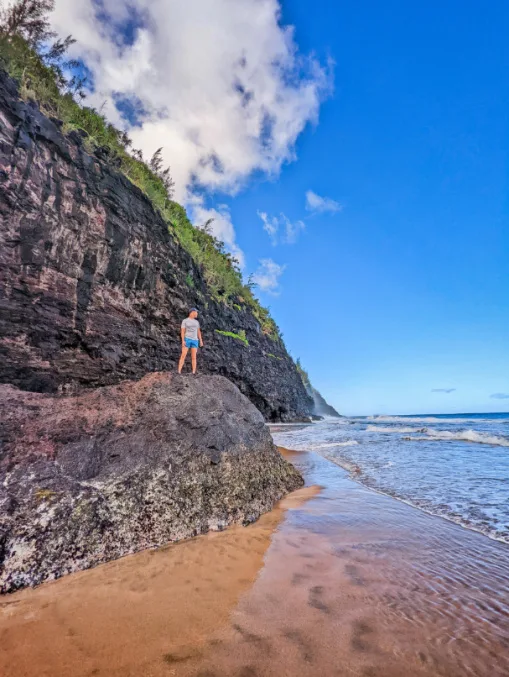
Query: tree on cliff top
{"type": "Point", "coordinates": [303, 374]}
{"type": "Point", "coordinates": [156, 165]}
{"type": "Point", "coordinates": [28, 18]}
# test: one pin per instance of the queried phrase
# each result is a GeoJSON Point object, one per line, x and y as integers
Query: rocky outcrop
{"type": "Point", "coordinates": [90, 478]}
{"type": "Point", "coordinates": [321, 406]}
{"type": "Point", "coordinates": [93, 286]}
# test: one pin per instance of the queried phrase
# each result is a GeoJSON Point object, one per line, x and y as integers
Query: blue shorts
{"type": "Point", "coordinates": [192, 343]}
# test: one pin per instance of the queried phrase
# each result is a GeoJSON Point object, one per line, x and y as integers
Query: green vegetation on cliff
{"type": "Point", "coordinates": [304, 375]}
{"type": "Point", "coordinates": [241, 336]}
{"type": "Point", "coordinates": [40, 72]}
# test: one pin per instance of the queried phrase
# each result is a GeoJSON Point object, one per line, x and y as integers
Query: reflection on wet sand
{"type": "Point", "coordinates": [353, 583]}
{"type": "Point", "coordinates": [356, 583]}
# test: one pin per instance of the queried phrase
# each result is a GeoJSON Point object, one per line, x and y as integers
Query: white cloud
{"type": "Point", "coordinates": [280, 228]}
{"type": "Point", "coordinates": [267, 276]}
{"type": "Point", "coordinates": [270, 225]}
{"type": "Point", "coordinates": [315, 203]}
{"type": "Point", "coordinates": [292, 230]}
{"type": "Point", "coordinates": [220, 85]}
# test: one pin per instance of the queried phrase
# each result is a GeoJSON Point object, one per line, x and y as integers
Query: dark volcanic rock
{"type": "Point", "coordinates": [321, 406]}
{"type": "Point", "coordinates": [90, 478]}
{"type": "Point", "coordinates": [93, 286]}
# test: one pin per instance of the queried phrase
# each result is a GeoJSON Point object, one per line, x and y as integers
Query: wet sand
{"type": "Point", "coordinates": [341, 581]}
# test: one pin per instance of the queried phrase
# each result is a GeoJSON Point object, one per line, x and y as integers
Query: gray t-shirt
{"type": "Point", "coordinates": [191, 326]}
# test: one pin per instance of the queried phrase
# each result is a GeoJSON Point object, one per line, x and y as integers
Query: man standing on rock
{"type": "Point", "coordinates": [190, 333]}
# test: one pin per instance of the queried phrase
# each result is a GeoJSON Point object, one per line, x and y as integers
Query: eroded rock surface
{"type": "Point", "coordinates": [90, 478]}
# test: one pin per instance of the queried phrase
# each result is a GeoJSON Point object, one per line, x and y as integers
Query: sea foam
{"type": "Point", "coordinates": [463, 436]}
{"type": "Point", "coordinates": [427, 419]}
{"type": "Point", "coordinates": [382, 429]}
{"type": "Point", "coordinates": [330, 445]}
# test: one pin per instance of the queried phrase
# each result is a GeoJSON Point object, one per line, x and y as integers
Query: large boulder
{"type": "Point", "coordinates": [90, 478]}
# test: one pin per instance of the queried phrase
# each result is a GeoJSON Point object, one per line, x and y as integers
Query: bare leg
{"type": "Point", "coordinates": [182, 358]}
{"type": "Point", "coordinates": [193, 359]}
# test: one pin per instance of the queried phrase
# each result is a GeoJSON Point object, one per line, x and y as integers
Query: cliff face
{"type": "Point", "coordinates": [93, 287]}
{"type": "Point", "coordinates": [321, 406]}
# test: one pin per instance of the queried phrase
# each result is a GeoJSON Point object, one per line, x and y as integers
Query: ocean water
{"type": "Point", "coordinates": [455, 466]}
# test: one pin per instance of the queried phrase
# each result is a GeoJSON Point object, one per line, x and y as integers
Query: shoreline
{"type": "Point", "coordinates": [338, 579]}
{"type": "Point", "coordinates": [349, 467]}
{"type": "Point", "coordinates": [343, 464]}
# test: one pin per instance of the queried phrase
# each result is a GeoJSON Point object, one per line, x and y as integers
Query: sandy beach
{"type": "Point", "coordinates": [337, 580]}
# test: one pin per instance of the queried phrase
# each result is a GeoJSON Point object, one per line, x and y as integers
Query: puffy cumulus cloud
{"type": "Point", "coordinates": [267, 276]}
{"type": "Point", "coordinates": [315, 203]}
{"type": "Point", "coordinates": [280, 228]}
{"type": "Point", "coordinates": [219, 85]}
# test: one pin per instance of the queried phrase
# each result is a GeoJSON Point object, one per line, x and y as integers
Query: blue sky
{"type": "Point", "coordinates": [401, 294]}
{"type": "Point", "coordinates": [406, 290]}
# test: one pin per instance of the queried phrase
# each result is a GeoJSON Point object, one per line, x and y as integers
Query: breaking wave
{"type": "Point", "coordinates": [426, 419]}
{"type": "Point", "coordinates": [382, 429]}
{"type": "Point", "coordinates": [330, 445]}
{"type": "Point", "coordinates": [463, 436]}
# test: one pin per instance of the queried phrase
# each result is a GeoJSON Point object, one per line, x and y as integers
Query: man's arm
{"type": "Point", "coordinates": [200, 337]}
{"type": "Point", "coordinates": [183, 335]}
